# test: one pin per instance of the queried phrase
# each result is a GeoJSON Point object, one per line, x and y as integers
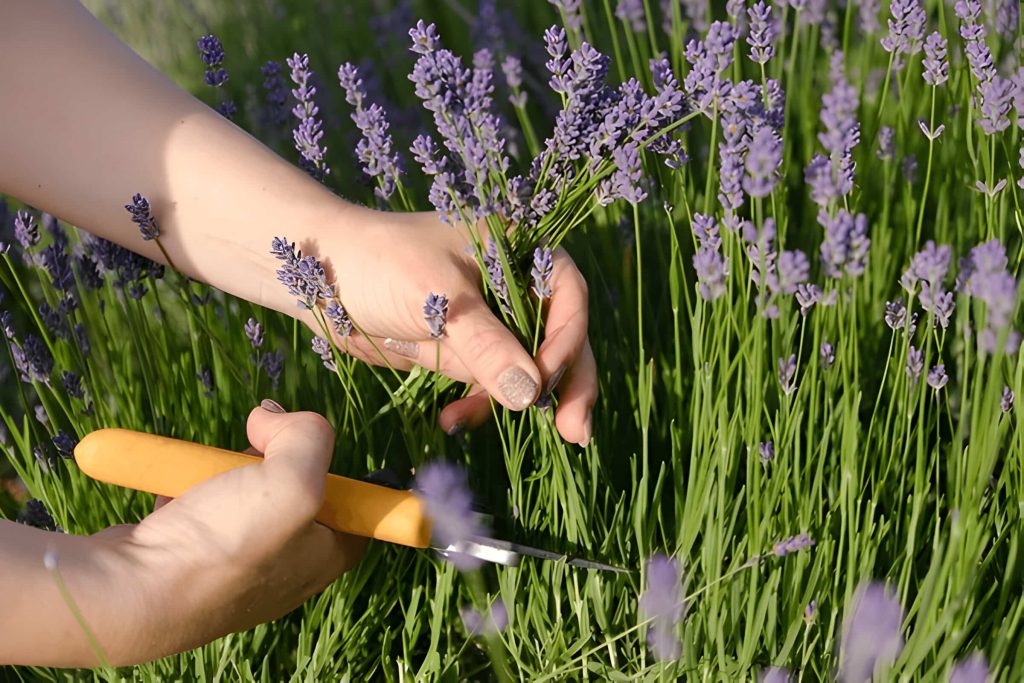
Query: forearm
{"type": "Point", "coordinates": [37, 625]}
{"type": "Point", "coordinates": [88, 124]}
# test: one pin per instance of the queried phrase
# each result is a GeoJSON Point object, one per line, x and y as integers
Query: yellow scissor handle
{"type": "Point", "coordinates": [169, 467]}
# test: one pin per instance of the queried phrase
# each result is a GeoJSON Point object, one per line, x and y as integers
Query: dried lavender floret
{"type": "Point", "coordinates": [33, 360]}
{"type": "Point", "coordinates": [254, 333]}
{"type": "Point", "coordinates": [308, 132]}
{"type": "Point", "coordinates": [915, 363]}
{"type": "Point", "coordinates": [322, 347]}
{"type": "Point", "coordinates": [793, 544]}
{"type": "Point", "coordinates": [26, 230]}
{"type": "Point", "coordinates": [374, 148]}
{"type": "Point", "coordinates": [662, 604]}
{"type": "Point", "coordinates": [937, 377]}
{"type": "Point", "coordinates": [435, 312]}
{"type": "Point", "coordinates": [446, 495]}
{"type": "Point", "coordinates": [1006, 399]}
{"type": "Point", "coordinates": [543, 265]}
{"type": "Point", "coordinates": [936, 66]}
{"type": "Point", "coordinates": [766, 451]}
{"type": "Point", "coordinates": [762, 32]}
{"type": "Point", "coordinates": [871, 638]}
{"type": "Point", "coordinates": [787, 374]}
{"type": "Point", "coordinates": [142, 216]}
{"type": "Point", "coordinates": [828, 354]}
{"type": "Point", "coordinates": [339, 318]}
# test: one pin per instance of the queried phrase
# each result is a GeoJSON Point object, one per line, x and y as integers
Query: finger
{"type": "Point", "coordinates": [565, 327]}
{"type": "Point", "coordinates": [491, 353]}
{"type": "Point", "coordinates": [466, 413]}
{"type": "Point", "coordinates": [296, 449]}
{"type": "Point", "coordinates": [430, 355]}
{"type": "Point", "coordinates": [577, 395]}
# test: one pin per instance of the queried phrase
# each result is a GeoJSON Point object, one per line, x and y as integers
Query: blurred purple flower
{"type": "Point", "coordinates": [774, 674]}
{"type": "Point", "coordinates": [871, 633]}
{"type": "Point", "coordinates": [712, 271]}
{"type": "Point", "coordinates": [1006, 400]}
{"type": "Point", "coordinates": [445, 492]}
{"type": "Point", "coordinates": [663, 605]}
{"type": "Point", "coordinates": [33, 360]}
{"type": "Point", "coordinates": [512, 68]}
{"type": "Point", "coordinates": [254, 333]}
{"type": "Point", "coordinates": [435, 312]}
{"type": "Point", "coordinates": [374, 147]}
{"type": "Point", "coordinates": [64, 444]}
{"type": "Point", "coordinates": [807, 295]}
{"type": "Point", "coordinates": [936, 66]}
{"type": "Point", "coordinates": [477, 624]}
{"type": "Point", "coordinates": [72, 384]}
{"type": "Point", "coordinates": [42, 417]}
{"type": "Point", "coordinates": [811, 612]}
{"type": "Point", "coordinates": [275, 109]}
{"type": "Point", "coordinates": [787, 374]}
{"type": "Point", "coordinates": [868, 16]}
{"type": "Point", "coordinates": [793, 544]}
{"type": "Point", "coordinates": [766, 450]}
{"type": "Point", "coordinates": [543, 265]}
{"type": "Point", "coordinates": [307, 133]}
{"type": "Point", "coordinates": [937, 377]}
{"type": "Point", "coordinates": [846, 244]}
{"type": "Point", "coordinates": [7, 323]}
{"type": "Point", "coordinates": [792, 270]}
{"type": "Point", "coordinates": [909, 168]}
{"type": "Point", "coordinates": [828, 354]}
{"type": "Point", "coordinates": [142, 216]}
{"type": "Point", "coordinates": [1008, 19]}
{"type": "Point", "coordinates": [764, 157]}
{"type": "Point", "coordinates": [895, 314]}
{"type": "Point", "coordinates": [906, 27]}
{"type": "Point", "coordinates": [571, 9]}
{"type": "Point", "coordinates": [929, 265]}
{"type": "Point", "coordinates": [273, 365]}
{"type": "Point", "coordinates": [885, 143]}
{"type": "Point", "coordinates": [632, 13]}
{"type": "Point", "coordinates": [205, 377]}
{"type": "Point", "coordinates": [973, 669]}
{"type": "Point", "coordinates": [915, 362]}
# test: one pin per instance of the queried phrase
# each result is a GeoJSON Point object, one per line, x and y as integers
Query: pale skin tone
{"type": "Point", "coordinates": [87, 124]}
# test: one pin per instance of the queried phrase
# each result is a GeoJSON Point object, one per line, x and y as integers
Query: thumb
{"type": "Point", "coordinates": [493, 355]}
{"type": "Point", "coordinates": [296, 447]}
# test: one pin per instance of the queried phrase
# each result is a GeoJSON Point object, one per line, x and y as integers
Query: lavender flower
{"type": "Point", "coordinates": [632, 13]}
{"type": "Point", "coordinates": [496, 275]}
{"type": "Point", "coordinates": [42, 417]}
{"type": "Point", "coordinates": [807, 295]}
{"type": "Point", "coordinates": [477, 624]}
{"type": "Point", "coordinates": [787, 374]}
{"type": "Point", "coordinates": [973, 669]}
{"type": "Point", "coordinates": [36, 515]}
{"type": "Point", "coordinates": [254, 333]}
{"type": "Point", "coordinates": [322, 347]}
{"type": "Point", "coordinates": [273, 365]}
{"type": "Point", "coordinates": [212, 53]}
{"type": "Point", "coordinates": [543, 265]}
{"type": "Point", "coordinates": [885, 143]}
{"type": "Point", "coordinates": [26, 231]}
{"type": "Point", "coordinates": [33, 360]}
{"type": "Point", "coordinates": [811, 612]}
{"type": "Point", "coordinates": [846, 244]}
{"type": "Point", "coordinates": [929, 265]}
{"type": "Point", "coordinates": [868, 16]}
{"type": "Point", "coordinates": [994, 98]}
{"type": "Point", "coordinates": [793, 544]}
{"type": "Point", "coordinates": [142, 216]}
{"type": "Point", "coordinates": [937, 377]}
{"type": "Point", "coordinates": [936, 66]}
{"type": "Point", "coordinates": [72, 384]}
{"type": "Point", "coordinates": [339, 319]}
{"type": "Point", "coordinates": [766, 450]}
{"type": "Point", "coordinates": [512, 68]}
{"type": "Point", "coordinates": [712, 271]}
{"type": "Point", "coordinates": [764, 157]}
{"type": "Point", "coordinates": [828, 354]}
{"type": "Point", "coordinates": [662, 604]}
{"type": "Point", "coordinates": [571, 11]}
{"type": "Point", "coordinates": [64, 444]}
{"type": "Point", "coordinates": [1006, 400]}
{"type": "Point", "coordinates": [374, 148]}
{"type": "Point", "coordinates": [307, 134]}
{"type": "Point", "coordinates": [435, 312]}
{"type": "Point", "coordinates": [871, 633]}
{"type": "Point", "coordinates": [909, 168]}
{"type": "Point", "coordinates": [915, 363]}
{"type": "Point", "coordinates": [906, 28]}
{"type": "Point", "coordinates": [7, 323]}
{"type": "Point", "coordinates": [1008, 19]}
{"type": "Point", "coordinates": [445, 492]}
{"type": "Point", "coordinates": [762, 33]}
{"type": "Point", "coordinates": [304, 276]}
{"type": "Point", "coordinates": [792, 269]}
{"type": "Point", "coordinates": [275, 110]}
{"type": "Point", "coordinates": [984, 277]}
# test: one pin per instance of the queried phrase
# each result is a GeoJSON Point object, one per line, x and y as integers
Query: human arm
{"type": "Point", "coordinates": [90, 124]}
{"type": "Point", "coordinates": [233, 552]}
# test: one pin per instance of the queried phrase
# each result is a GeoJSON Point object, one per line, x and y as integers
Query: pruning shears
{"type": "Point", "coordinates": [169, 467]}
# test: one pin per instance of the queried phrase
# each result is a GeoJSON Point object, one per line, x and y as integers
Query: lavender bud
{"type": "Point", "coordinates": [435, 312]}
{"type": "Point", "coordinates": [793, 544]}
{"type": "Point", "coordinates": [662, 604]}
{"type": "Point", "coordinates": [828, 354]}
{"type": "Point", "coordinates": [937, 377]}
{"type": "Point", "coordinates": [811, 612]}
{"type": "Point", "coordinates": [1006, 400]}
{"type": "Point", "coordinates": [254, 333]}
{"type": "Point", "coordinates": [143, 217]}
{"type": "Point", "coordinates": [787, 374]}
{"type": "Point", "coordinates": [766, 450]}
{"type": "Point", "coordinates": [322, 347]}
{"type": "Point", "coordinates": [906, 28]}
{"type": "Point", "coordinates": [915, 363]}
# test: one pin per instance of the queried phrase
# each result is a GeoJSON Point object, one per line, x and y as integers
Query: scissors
{"type": "Point", "coordinates": [169, 467]}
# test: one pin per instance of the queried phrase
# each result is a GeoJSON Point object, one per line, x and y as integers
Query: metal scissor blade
{"type": "Point", "coordinates": [508, 553]}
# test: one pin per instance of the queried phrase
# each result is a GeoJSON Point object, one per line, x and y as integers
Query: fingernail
{"type": "Point", "coordinates": [272, 406]}
{"type": "Point", "coordinates": [587, 432]}
{"type": "Point", "coordinates": [456, 429]}
{"type": "Point", "coordinates": [553, 380]}
{"type": "Point", "coordinates": [402, 348]}
{"type": "Point", "coordinates": [517, 387]}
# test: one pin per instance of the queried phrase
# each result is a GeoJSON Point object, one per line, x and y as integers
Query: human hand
{"type": "Point", "coordinates": [233, 552]}
{"type": "Point", "coordinates": [385, 271]}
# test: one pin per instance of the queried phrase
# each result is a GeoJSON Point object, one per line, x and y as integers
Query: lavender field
{"type": "Point", "coordinates": [801, 227]}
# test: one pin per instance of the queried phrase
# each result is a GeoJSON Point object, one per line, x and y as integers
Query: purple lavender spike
{"type": "Point", "coordinates": [662, 604]}
{"type": "Point", "coordinates": [871, 633]}
{"type": "Point", "coordinates": [449, 504]}
{"type": "Point", "coordinates": [435, 312]}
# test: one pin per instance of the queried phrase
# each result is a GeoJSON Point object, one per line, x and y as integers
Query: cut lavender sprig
{"type": "Point", "coordinates": [662, 603]}
{"type": "Point", "coordinates": [142, 216]}
{"type": "Point", "coordinates": [339, 319]}
{"type": "Point", "coordinates": [435, 312]}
